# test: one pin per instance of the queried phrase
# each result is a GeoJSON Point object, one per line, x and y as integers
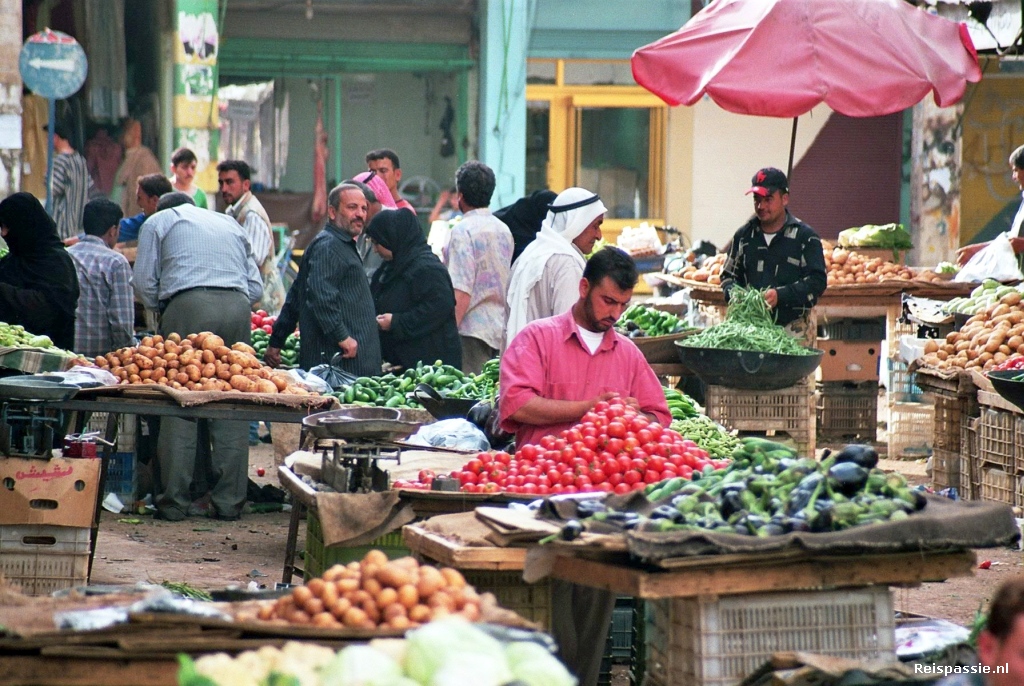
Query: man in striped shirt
{"type": "Point", "coordinates": [70, 187]}
{"type": "Point", "coordinates": [106, 304]}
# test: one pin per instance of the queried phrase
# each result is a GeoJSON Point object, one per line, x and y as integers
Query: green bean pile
{"type": "Point", "coordinates": [748, 325]}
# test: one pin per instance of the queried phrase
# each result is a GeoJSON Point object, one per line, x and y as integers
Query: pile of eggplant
{"type": "Point", "coordinates": [769, 490]}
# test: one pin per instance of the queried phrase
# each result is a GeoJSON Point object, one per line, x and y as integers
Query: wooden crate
{"type": "Point", "coordinates": [970, 470]}
{"type": "Point", "coordinates": [998, 486]}
{"type": "Point", "coordinates": [789, 410]}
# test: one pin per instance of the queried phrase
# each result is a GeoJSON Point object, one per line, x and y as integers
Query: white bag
{"type": "Point", "coordinates": [997, 261]}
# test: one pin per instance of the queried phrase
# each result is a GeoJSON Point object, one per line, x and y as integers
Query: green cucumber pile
{"type": "Point", "coordinates": [708, 434]}
{"type": "Point", "coordinates": [680, 405]}
{"type": "Point", "coordinates": [639, 321]}
{"type": "Point", "coordinates": [260, 339]}
{"type": "Point", "coordinates": [768, 490]}
{"type": "Point", "coordinates": [394, 390]}
{"type": "Point", "coordinates": [749, 325]}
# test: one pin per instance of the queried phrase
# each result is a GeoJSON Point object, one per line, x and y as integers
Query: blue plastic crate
{"type": "Point", "coordinates": [122, 477]}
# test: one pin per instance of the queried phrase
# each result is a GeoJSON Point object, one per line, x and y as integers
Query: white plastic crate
{"type": "Point", "coordinates": [720, 641]}
{"type": "Point", "coordinates": [42, 559]}
{"type": "Point", "coordinates": [911, 427]}
{"type": "Point", "coordinates": [125, 429]}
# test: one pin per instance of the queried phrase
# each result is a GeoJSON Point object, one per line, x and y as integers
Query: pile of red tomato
{"type": "Point", "coordinates": [613, 449]}
{"type": "Point", "coordinates": [261, 320]}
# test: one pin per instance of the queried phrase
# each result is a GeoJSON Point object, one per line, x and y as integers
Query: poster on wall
{"type": "Point", "coordinates": [935, 182]}
{"type": "Point", "coordinates": [196, 121]}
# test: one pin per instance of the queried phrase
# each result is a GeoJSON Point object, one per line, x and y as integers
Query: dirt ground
{"type": "Point", "coordinates": [211, 554]}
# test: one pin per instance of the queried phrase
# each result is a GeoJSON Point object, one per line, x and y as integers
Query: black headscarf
{"type": "Point", "coordinates": [38, 262]}
{"type": "Point", "coordinates": [524, 217]}
{"type": "Point", "coordinates": [399, 232]}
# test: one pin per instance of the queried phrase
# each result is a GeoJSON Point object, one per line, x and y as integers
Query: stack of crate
{"type": "Point", "coordinates": [1000, 455]}
{"type": "Point", "coordinates": [911, 414]}
{"type": "Point", "coordinates": [847, 392]}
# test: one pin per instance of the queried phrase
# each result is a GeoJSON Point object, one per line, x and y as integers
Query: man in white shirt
{"type": "Point", "coordinates": [1017, 225]}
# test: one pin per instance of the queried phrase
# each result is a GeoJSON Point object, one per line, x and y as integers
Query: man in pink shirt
{"type": "Point", "coordinates": [553, 372]}
{"type": "Point", "coordinates": [556, 369]}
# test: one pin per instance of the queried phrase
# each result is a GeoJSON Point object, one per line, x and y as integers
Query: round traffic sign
{"type": "Point", "coordinates": [53, 64]}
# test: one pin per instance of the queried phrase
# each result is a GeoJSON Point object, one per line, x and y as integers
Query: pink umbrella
{"type": "Point", "coordinates": [780, 58]}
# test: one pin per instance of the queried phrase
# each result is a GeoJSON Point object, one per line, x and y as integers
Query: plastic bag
{"type": "Point", "coordinates": [336, 377]}
{"type": "Point", "coordinates": [451, 433]}
{"type": "Point", "coordinates": [997, 261]}
{"type": "Point", "coordinates": [310, 382]}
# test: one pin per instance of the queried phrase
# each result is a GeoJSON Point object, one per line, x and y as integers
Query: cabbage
{"type": "Point", "coordinates": [536, 666]}
{"type": "Point", "coordinates": [456, 645]}
{"type": "Point", "coordinates": [361, 666]}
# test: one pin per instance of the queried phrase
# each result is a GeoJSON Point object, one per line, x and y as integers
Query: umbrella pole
{"type": "Point", "coordinates": [792, 150]}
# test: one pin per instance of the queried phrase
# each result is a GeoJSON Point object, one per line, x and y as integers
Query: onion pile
{"type": "Point", "coordinates": [375, 592]}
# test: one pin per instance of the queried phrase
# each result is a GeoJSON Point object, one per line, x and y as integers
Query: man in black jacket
{"type": "Point", "coordinates": [776, 252]}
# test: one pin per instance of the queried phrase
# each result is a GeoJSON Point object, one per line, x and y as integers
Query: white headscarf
{"type": "Point", "coordinates": [555, 237]}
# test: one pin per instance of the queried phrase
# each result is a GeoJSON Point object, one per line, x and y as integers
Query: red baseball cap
{"type": "Point", "coordinates": [768, 180]}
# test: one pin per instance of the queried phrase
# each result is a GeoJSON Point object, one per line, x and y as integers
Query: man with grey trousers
{"type": "Point", "coordinates": [197, 269]}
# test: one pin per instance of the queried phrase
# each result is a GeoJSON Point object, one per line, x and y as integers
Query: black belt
{"type": "Point", "coordinates": [164, 303]}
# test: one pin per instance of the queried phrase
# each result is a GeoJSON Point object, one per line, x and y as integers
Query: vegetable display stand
{"type": "Point", "coordinates": [847, 411]}
{"type": "Point", "coordinates": [910, 427]}
{"type": "Point", "coordinates": [720, 641]}
{"type": "Point", "coordinates": [790, 411]}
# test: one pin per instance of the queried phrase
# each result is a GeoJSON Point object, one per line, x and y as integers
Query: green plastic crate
{"type": "Point", "coordinates": [319, 558]}
{"type": "Point", "coordinates": [530, 601]}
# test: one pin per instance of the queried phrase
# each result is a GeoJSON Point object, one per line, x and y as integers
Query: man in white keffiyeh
{"type": "Point", "coordinates": [545, 279]}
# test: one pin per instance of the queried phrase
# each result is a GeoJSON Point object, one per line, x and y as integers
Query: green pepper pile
{"type": "Point", "coordinates": [640, 321]}
{"type": "Point", "coordinates": [260, 339]}
{"type": "Point", "coordinates": [680, 405]}
{"type": "Point", "coordinates": [15, 336]}
{"type": "Point", "coordinates": [768, 490]}
{"type": "Point", "coordinates": [706, 433]}
{"type": "Point", "coordinates": [394, 390]}
{"type": "Point", "coordinates": [749, 325]}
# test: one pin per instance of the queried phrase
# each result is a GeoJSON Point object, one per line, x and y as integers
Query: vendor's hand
{"type": "Point", "coordinates": [272, 356]}
{"type": "Point", "coordinates": [634, 403]}
{"type": "Point", "coordinates": [68, 242]}
{"type": "Point", "coordinates": [968, 251]}
{"type": "Point", "coordinates": [771, 296]}
{"type": "Point", "coordinates": [604, 397]}
{"type": "Point", "coordinates": [384, 321]}
{"type": "Point", "coordinates": [348, 348]}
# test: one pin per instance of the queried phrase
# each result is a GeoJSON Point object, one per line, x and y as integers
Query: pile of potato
{"type": "Point", "coordinates": [376, 592]}
{"type": "Point", "coordinates": [710, 271]}
{"type": "Point", "coordinates": [199, 362]}
{"type": "Point", "coordinates": [984, 341]}
{"type": "Point", "coordinates": [848, 267]}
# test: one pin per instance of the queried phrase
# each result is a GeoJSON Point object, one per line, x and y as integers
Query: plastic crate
{"type": "Point", "coordinates": [996, 439]}
{"type": "Point", "coordinates": [789, 410]}
{"type": "Point", "coordinates": [950, 411]}
{"type": "Point", "coordinates": [848, 410]}
{"type": "Point", "coordinates": [970, 471]}
{"type": "Point", "coordinates": [42, 559]}
{"type": "Point", "coordinates": [638, 653]}
{"type": "Point", "coordinates": [852, 329]}
{"type": "Point", "coordinates": [902, 386]}
{"type": "Point", "coordinates": [1018, 436]}
{"type": "Point", "coordinates": [910, 428]}
{"type": "Point", "coordinates": [126, 429]}
{"type": "Point", "coordinates": [122, 477]}
{"type": "Point", "coordinates": [719, 642]}
{"type": "Point", "coordinates": [998, 486]}
{"type": "Point", "coordinates": [319, 558]}
{"type": "Point", "coordinates": [621, 634]}
{"type": "Point", "coordinates": [531, 601]}
{"type": "Point", "coordinates": [945, 469]}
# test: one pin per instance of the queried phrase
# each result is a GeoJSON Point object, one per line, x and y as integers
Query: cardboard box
{"type": "Point", "coordinates": [849, 360]}
{"type": "Point", "coordinates": [59, 491]}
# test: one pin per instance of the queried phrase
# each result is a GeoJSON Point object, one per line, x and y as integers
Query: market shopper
{"type": "Point", "coordinates": [1016, 226]}
{"type": "Point", "coordinates": [38, 283]}
{"type": "Point", "coordinates": [777, 252]}
{"type": "Point", "coordinates": [147, 193]}
{"type": "Point", "coordinates": [554, 372]}
{"type": "Point", "coordinates": [545, 279]}
{"type": "Point", "coordinates": [138, 161]}
{"type": "Point", "coordinates": [412, 294]}
{"type": "Point", "coordinates": [106, 304]}
{"type": "Point", "coordinates": [70, 185]}
{"type": "Point", "coordinates": [479, 256]}
{"type": "Point", "coordinates": [384, 161]}
{"type": "Point", "coordinates": [234, 178]}
{"type": "Point", "coordinates": [330, 299]}
{"type": "Point", "coordinates": [524, 218]}
{"type": "Point", "coordinates": [197, 268]}
{"type": "Point", "coordinates": [183, 174]}
{"type": "Point", "coordinates": [378, 197]}
{"type": "Point", "coordinates": [1000, 643]}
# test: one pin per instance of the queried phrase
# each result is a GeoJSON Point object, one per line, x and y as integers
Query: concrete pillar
{"type": "Point", "coordinates": [10, 97]}
{"type": "Point", "coordinates": [504, 34]}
